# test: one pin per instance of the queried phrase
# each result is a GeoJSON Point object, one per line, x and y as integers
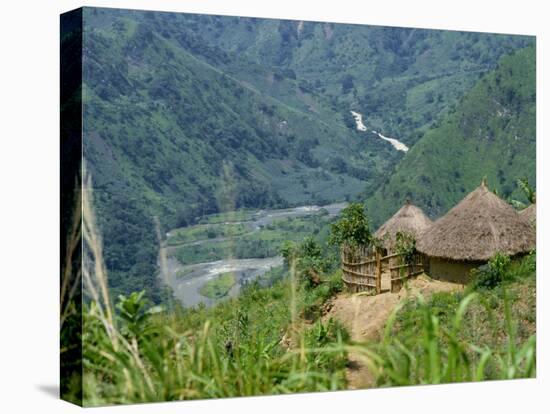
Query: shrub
{"type": "Point", "coordinates": [492, 274]}
{"type": "Point", "coordinates": [405, 244]}
{"type": "Point", "coordinates": [134, 312]}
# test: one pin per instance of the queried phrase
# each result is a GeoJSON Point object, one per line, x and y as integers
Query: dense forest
{"type": "Point", "coordinates": [187, 115]}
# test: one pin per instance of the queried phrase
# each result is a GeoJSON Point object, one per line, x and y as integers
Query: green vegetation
{"type": "Point", "coordinates": [153, 355]}
{"type": "Point", "coordinates": [405, 244]}
{"type": "Point", "coordinates": [228, 217]}
{"type": "Point", "coordinates": [529, 191]}
{"type": "Point", "coordinates": [255, 344]}
{"type": "Point", "coordinates": [401, 79]}
{"type": "Point", "coordinates": [202, 232]}
{"type": "Point", "coordinates": [475, 335]}
{"type": "Point", "coordinates": [352, 228]}
{"type": "Point", "coordinates": [195, 122]}
{"type": "Point", "coordinates": [140, 353]}
{"type": "Point", "coordinates": [307, 260]}
{"type": "Point", "coordinates": [273, 340]}
{"type": "Point", "coordinates": [491, 132]}
{"type": "Point", "coordinates": [213, 354]}
{"type": "Point", "coordinates": [218, 287]}
{"type": "Point", "coordinates": [188, 115]}
{"type": "Point", "coordinates": [493, 274]}
{"type": "Point", "coordinates": [264, 242]}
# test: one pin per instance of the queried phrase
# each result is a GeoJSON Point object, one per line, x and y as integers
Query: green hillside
{"type": "Point", "coordinates": [187, 115]}
{"type": "Point", "coordinates": [401, 79]}
{"type": "Point", "coordinates": [491, 132]}
{"type": "Point", "coordinates": [179, 140]}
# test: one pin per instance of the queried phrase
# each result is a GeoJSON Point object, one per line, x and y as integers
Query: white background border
{"type": "Point", "coordinates": [29, 177]}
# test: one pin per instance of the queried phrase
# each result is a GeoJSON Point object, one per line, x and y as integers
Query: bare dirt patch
{"type": "Point", "coordinates": [365, 317]}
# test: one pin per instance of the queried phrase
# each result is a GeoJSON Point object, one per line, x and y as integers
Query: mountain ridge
{"type": "Point", "coordinates": [491, 133]}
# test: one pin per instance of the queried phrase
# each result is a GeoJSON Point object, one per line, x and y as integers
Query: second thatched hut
{"type": "Point", "coordinates": [408, 219]}
{"type": "Point", "coordinates": [471, 233]}
{"type": "Point", "coordinates": [529, 214]}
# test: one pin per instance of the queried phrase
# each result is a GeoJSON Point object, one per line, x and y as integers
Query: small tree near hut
{"type": "Point", "coordinates": [405, 245]}
{"type": "Point", "coordinates": [352, 230]}
{"type": "Point", "coordinates": [360, 261]}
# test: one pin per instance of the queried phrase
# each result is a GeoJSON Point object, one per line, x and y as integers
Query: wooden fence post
{"type": "Point", "coordinates": [378, 273]}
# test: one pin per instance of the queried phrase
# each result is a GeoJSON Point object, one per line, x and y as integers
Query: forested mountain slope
{"type": "Point", "coordinates": [401, 79]}
{"type": "Point", "coordinates": [186, 115]}
{"type": "Point", "coordinates": [491, 133]}
{"type": "Point", "coordinates": [169, 135]}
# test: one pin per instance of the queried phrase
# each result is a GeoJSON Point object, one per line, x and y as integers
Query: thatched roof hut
{"type": "Point", "coordinates": [529, 214]}
{"type": "Point", "coordinates": [408, 219]}
{"type": "Point", "coordinates": [476, 228]}
{"type": "Point", "coordinates": [471, 233]}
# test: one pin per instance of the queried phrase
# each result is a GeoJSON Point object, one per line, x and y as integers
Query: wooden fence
{"type": "Point", "coordinates": [363, 267]}
{"type": "Point", "coordinates": [401, 270]}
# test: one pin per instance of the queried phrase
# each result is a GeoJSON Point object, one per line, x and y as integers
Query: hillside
{"type": "Point", "coordinates": [491, 132]}
{"type": "Point", "coordinates": [187, 115]}
{"type": "Point", "coordinates": [185, 139]}
{"type": "Point", "coordinates": [403, 79]}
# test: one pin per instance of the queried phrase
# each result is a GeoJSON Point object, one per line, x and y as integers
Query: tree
{"type": "Point", "coordinates": [352, 228]}
{"type": "Point", "coordinates": [527, 190]}
{"type": "Point", "coordinates": [405, 245]}
{"type": "Point", "coordinates": [310, 263]}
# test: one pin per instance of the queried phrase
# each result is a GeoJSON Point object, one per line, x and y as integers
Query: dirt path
{"type": "Point", "coordinates": [365, 318]}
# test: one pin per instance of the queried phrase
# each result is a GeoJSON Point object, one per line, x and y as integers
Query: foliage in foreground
{"type": "Point", "coordinates": [475, 335]}
{"type": "Point", "coordinates": [252, 345]}
{"type": "Point", "coordinates": [260, 343]}
{"type": "Point", "coordinates": [234, 350]}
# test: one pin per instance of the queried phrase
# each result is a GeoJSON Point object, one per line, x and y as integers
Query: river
{"type": "Point", "coordinates": [360, 125]}
{"type": "Point", "coordinates": [187, 288]}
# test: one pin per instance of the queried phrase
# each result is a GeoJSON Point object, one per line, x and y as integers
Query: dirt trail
{"type": "Point", "coordinates": [365, 317]}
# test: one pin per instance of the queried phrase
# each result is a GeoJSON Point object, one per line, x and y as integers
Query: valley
{"type": "Point", "coordinates": [255, 114]}
{"type": "Point", "coordinates": [235, 171]}
{"type": "Point", "coordinates": [244, 244]}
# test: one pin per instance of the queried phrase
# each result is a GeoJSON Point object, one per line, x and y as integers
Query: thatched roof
{"type": "Point", "coordinates": [529, 213]}
{"type": "Point", "coordinates": [476, 228]}
{"type": "Point", "coordinates": [409, 219]}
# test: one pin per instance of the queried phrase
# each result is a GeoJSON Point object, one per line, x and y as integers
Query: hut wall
{"type": "Point", "coordinates": [451, 270]}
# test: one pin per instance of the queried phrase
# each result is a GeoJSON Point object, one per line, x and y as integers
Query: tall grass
{"type": "Point", "coordinates": [70, 299]}
{"type": "Point", "coordinates": [133, 352]}
{"type": "Point", "coordinates": [437, 352]}
{"type": "Point", "coordinates": [261, 343]}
